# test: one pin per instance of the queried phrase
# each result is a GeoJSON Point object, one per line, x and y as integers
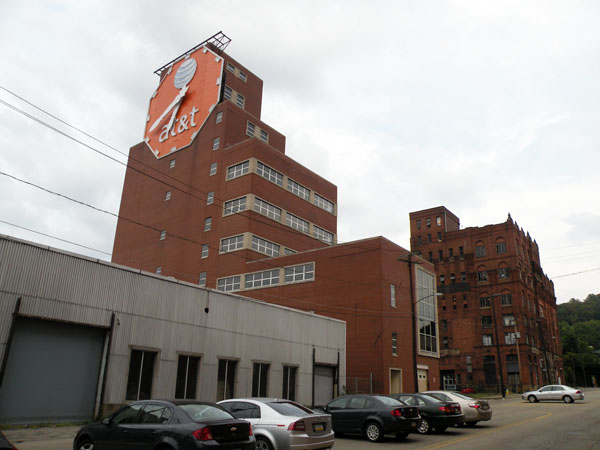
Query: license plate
{"type": "Point", "coordinates": [318, 427]}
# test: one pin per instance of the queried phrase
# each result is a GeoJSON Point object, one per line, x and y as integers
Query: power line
{"type": "Point", "coordinates": [575, 273]}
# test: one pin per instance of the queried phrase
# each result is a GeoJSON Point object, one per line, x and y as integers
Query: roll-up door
{"type": "Point", "coordinates": [324, 380]}
{"type": "Point", "coordinates": [52, 372]}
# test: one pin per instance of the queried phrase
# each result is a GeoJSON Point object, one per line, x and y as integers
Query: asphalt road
{"type": "Point", "coordinates": [515, 425]}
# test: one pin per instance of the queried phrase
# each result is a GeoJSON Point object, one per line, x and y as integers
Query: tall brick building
{"type": "Point", "coordinates": [211, 198]}
{"type": "Point", "coordinates": [498, 310]}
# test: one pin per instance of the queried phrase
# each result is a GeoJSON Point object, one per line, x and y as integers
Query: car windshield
{"type": "Point", "coordinates": [201, 412]}
{"type": "Point", "coordinates": [389, 401]}
{"type": "Point", "coordinates": [464, 397]}
{"type": "Point", "coordinates": [290, 409]}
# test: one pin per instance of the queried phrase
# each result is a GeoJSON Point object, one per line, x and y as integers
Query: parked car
{"type": "Point", "coordinates": [467, 390]}
{"type": "Point", "coordinates": [168, 425]}
{"type": "Point", "coordinates": [475, 410]}
{"type": "Point", "coordinates": [554, 392]}
{"type": "Point", "coordinates": [372, 415]}
{"type": "Point", "coordinates": [283, 424]}
{"type": "Point", "coordinates": [435, 414]}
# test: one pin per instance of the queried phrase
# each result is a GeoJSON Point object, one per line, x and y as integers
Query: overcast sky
{"type": "Point", "coordinates": [483, 107]}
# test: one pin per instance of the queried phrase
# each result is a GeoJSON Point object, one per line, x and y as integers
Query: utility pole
{"type": "Point", "coordinates": [501, 375]}
{"type": "Point", "coordinates": [413, 316]}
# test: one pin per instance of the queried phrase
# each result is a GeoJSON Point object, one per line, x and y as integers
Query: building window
{"type": "Point", "coordinates": [260, 377]}
{"type": "Point", "coordinates": [503, 273]}
{"type": "Point", "coordinates": [419, 224]}
{"type": "Point", "coordinates": [452, 278]}
{"type": "Point", "coordinates": [428, 222]}
{"type": "Point", "coordinates": [461, 252]}
{"type": "Point", "coordinates": [322, 235]}
{"type": "Point", "coordinates": [210, 198]}
{"type": "Point", "coordinates": [232, 243]}
{"type": "Point", "coordinates": [216, 143]}
{"type": "Point", "coordinates": [240, 100]}
{"type": "Point", "coordinates": [213, 169]}
{"type": "Point", "coordinates": [227, 93]}
{"type": "Point", "coordinates": [487, 340]}
{"type": "Point", "coordinates": [445, 342]}
{"type": "Point", "coordinates": [442, 279]}
{"type": "Point", "coordinates": [296, 223]}
{"type": "Point", "coordinates": [484, 302]}
{"type": "Point", "coordinates": [242, 76]}
{"type": "Point", "coordinates": [207, 223]}
{"type": "Point", "coordinates": [439, 235]}
{"type": "Point", "coordinates": [463, 277]}
{"type": "Point", "coordinates": [229, 284]}
{"type": "Point", "coordinates": [438, 221]}
{"type": "Point", "coordinates": [298, 189]}
{"type": "Point", "coordinates": [429, 238]}
{"type": "Point", "coordinates": [226, 379]}
{"type": "Point", "coordinates": [450, 252]}
{"type": "Point", "coordinates": [508, 319]}
{"type": "Point", "coordinates": [158, 270]}
{"type": "Point", "coordinates": [480, 250]}
{"type": "Point", "coordinates": [303, 272]}
{"type": "Point", "coordinates": [500, 247]}
{"type": "Point", "coordinates": [202, 279]}
{"type": "Point", "coordinates": [441, 255]}
{"type": "Point", "coordinates": [167, 196]}
{"type": "Point", "coordinates": [486, 321]}
{"type": "Point", "coordinates": [204, 253]}
{"type": "Point", "coordinates": [141, 372]}
{"type": "Point", "coordinates": [506, 299]}
{"type": "Point", "coordinates": [187, 377]}
{"type": "Point", "coordinates": [392, 295]}
{"type": "Point", "coordinates": [250, 129]}
{"type": "Point", "coordinates": [264, 135]}
{"type": "Point", "coordinates": [323, 203]}
{"type": "Point", "coordinates": [427, 311]}
{"type": "Point", "coordinates": [510, 338]}
{"type": "Point", "coordinates": [419, 241]}
{"type": "Point", "coordinates": [262, 279]}
{"type": "Point", "coordinates": [270, 174]}
{"type": "Point", "coordinates": [163, 235]}
{"type": "Point", "coordinates": [172, 164]}
{"type": "Point", "coordinates": [234, 206]}
{"type": "Point", "coordinates": [395, 344]}
{"type": "Point", "coordinates": [289, 383]}
{"type": "Point", "coordinates": [482, 275]}
{"type": "Point", "coordinates": [264, 246]}
{"type": "Point", "coordinates": [288, 251]}
{"type": "Point", "coordinates": [230, 67]}
{"type": "Point", "coordinates": [238, 170]}
{"type": "Point", "coordinates": [266, 209]}
{"type": "Point", "coordinates": [430, 256]}
{"type": "Point", "coordinates": [219, 117]}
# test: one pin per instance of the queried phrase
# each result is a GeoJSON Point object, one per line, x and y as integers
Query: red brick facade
{"type": "Point", "coordinates": [493, 287]}
{"type": "Point", "coordinates": [231, 211]}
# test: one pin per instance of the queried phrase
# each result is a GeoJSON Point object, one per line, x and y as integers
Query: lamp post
{"type": "Point", "coordinates": [413, 304]}
{"type": "Point", "coordinates": [501, 375]}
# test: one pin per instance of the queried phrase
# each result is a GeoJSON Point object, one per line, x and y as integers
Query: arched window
{"type": "Point", "coordinates": [480, 249]}
{"type": "Point", "coordinates": [482, 274]}
{"type": "Point", "coordinates": [500, 245]}
{"type": "Point", "coordinates": [503, 271]}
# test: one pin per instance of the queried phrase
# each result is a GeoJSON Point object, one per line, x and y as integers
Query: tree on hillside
{"type": "Point", "coordinates": [575, 311]}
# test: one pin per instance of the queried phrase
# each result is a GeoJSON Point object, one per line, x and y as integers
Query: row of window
{"type": "Point", "coordinates": [141, 373]}
{"type": "Point", "coordinates": [280, 180]}
{"type": "Point", "coordinates": [274, 212]}
{"type": "Point", "coordinates": [482, 275]}
{"type": "Point", "coordinates": [240, 74]}
{"type": "Point", "coordinates": [508, 320]}
{"type": "Point", "coordinates": [231, 95]}
{"type": "Point", "coordinates": [291, 274]}
{"type": "Point", "coordinates": [253, 131]}
{"type": "Point", "coordinates": [438, 222]}
{"type": "Point", "coordinates": [510, 338]}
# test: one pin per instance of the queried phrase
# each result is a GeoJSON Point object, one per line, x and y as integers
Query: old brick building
{"type": "Point", "coordinates": [498, 310]}
{"type": "Point", "coordinates": [211, 198]}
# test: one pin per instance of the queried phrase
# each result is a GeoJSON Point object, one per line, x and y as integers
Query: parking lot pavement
{"type": "Point", "coordinates": [42, 438]}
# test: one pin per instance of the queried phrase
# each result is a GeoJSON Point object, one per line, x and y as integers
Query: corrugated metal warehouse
{"type": "Point", "coordinates": [79, 337]}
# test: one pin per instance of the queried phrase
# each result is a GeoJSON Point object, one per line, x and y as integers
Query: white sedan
{"type": "Point", "coordinates": [475, 410]}
{"type": "Point", "coordinates": [554, 392]}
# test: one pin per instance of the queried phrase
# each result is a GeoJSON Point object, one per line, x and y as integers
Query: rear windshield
{"type": "Point", "coordinates": [200, 412]}
{"type": "Point", "coordinates": [290, 409]}
{"type": "Point", "coordinates": [389, 401]}
{"type": "Point", "coordinates": [430, 398]}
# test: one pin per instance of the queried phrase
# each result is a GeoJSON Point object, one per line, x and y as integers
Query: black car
{"type": "Point", "coordinates": [434, 413]}
{"type": "Point", "coordinates": [167, 425]}
{"type": "Point", "coordinates": [372, 415]}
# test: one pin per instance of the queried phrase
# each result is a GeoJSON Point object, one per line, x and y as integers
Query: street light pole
{"type": "Point", "coordinates": [501, 375]}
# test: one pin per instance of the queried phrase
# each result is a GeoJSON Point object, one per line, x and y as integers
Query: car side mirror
{"type": "Point", "coordinates": [106, 421]}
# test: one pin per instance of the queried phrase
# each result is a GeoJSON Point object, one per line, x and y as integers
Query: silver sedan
{"type": "Point", "coordinates": [283, 424]}
{"type": "Point", "coordinates": [554, 392]}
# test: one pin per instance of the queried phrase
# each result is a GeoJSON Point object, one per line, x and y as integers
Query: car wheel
{"type": "Point", "coordinates": [373, 432]}
{"type": "Point", "coordinates": [440, 429]}
{"type": "Point", "coordinates": [568, 399]}
{"type": "Point", "coordinates": [401, 435]}
{"type": "Point", "coordinates": [85, 444]}
{"type": "Point", "coordinates": [532, 399]}
{"type": "Point", "coordinates": [424, 426]}
{"type": "Point", "coordinates": [471, 424]}
{"type": "Point", "coordinates": [262, 443]}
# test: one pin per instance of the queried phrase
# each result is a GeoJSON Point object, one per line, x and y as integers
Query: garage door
{"type": "Point", "coordinates": [52, 372]}
{"type": "Point", "coordinates": [324, 379]}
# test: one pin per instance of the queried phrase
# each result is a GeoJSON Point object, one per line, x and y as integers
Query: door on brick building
{"type": "Point", "coordinates": [395, 381]}
{"type": "Point", "coordinates": [423, 384]}
{"type": "Point", "coordinates": [489, 370]}
{"type": "Point", "coordinates": [448, 380]}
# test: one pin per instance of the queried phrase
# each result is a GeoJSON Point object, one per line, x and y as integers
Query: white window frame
{"type": "Point", "coordinates": [234, 206]}
{"type": "Point", "coordinates": [262, 279]}
{"type": "Point", "coordinates": [216, 143]}
{"type": "Point", "coordinates": [323, 235]}
{"type": "Point", "coordinates": [393, 296]}
{"type": "Point", "coordinates": [323, 203]}
{"type": "Point", "coordinates": [264, 135]}
{"type": "Point", "coordinates": [238, 170]}
{"type": "Point", "coordinates": [267, 209]}
{"type": "Point", "coordinates": [204, 252]}
{"type": "Point", "coordinates": [207, 223]}
{"type": "Point", "coordinates": [297, 189]}
{"type": "Point", "coordinates": [301, 272]}
{"type": "Point", "coordinates": [213, 169]}
{"type": "Point", "coordinates": [219, 117]}
{"type": "Point", "coordinates": [232, 243]}
{"type": "Point", "coordinates": [269, 173]}
{"type": "Point", "coordinates": [227, 92]}
{"type": "Point", "coordinates": [163, 235]}
{"type": "Point", "coordinates": [297, 223]}
{"type": "Point", "coordinates": [240, 100]}
{"type": "Point", "coordinates": [250, 129]}
{"type": "Point", "coordinates": [229, 284]}
{"type": "Point", "coordinates": [210, 198]}
{"type": "Point", "coordinates": [167, 196]}
{"type": "Point", "coordinates": [266, 247]}
{"type": "Point", "coordinates": [202, 279]}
